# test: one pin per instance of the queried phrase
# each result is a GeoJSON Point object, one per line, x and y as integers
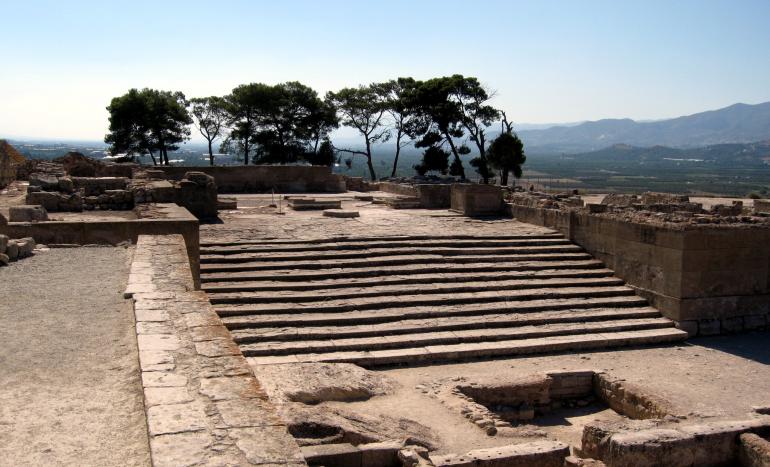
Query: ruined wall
{"type": "Point", "coordinates": [430, 195]}
{"type": "Point", "coordinates": [476, 200]}
{"type": "Point", "coordinates": [160, 219]}
{"type": "Point", "coordinates": [710, 278]}
{"type": "Point", "coordinates": [263, 178]}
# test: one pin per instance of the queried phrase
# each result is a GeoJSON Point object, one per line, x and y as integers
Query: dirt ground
{"type": "Point", "coordinates": [715, 378]}
{"type": "Point", "coordinates": [70, 392]}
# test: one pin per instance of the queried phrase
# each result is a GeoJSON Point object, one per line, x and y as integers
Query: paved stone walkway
{"type": "Point", "coordinates": [70, 392]}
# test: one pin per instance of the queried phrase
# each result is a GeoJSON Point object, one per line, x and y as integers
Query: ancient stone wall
{"type": "Point", "coordinates": [476, 200]}
{"type": "Point", "coordinates": [430, 195]}
{"type": "Point", "coordinates": [263, 178]}
{"type": "Point", "coordinates": [158, 219]}
{"type": "Point", "coordinates": [709, 278]}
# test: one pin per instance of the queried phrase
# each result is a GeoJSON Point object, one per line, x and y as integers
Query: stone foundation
{"type": "Point", "coordinates": [476, 200]}
{"type": "Point", "coordinates": [711, 279]}
{"type": "Point", "coordinates": [153, 219]}
{"type": "Point", "coordinates": [264, 178]}
{"type": "Point", "coordinates": [203, 403]}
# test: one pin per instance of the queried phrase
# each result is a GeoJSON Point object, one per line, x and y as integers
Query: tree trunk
{"type": "Point", "coordinates": [211, 155]}
{"type": "Point", "coordinates": [504, 176]}
{"type": "Point", "coordinates": [398, 152]}
{"type": "Point", "coordinates": [154, 162]}
{"type": "Point", "coordinates": [483, 157]}
{"type": "Point", "coordinates": [369, 160]}
{"type": "Point", "coordinates": [457, 156]}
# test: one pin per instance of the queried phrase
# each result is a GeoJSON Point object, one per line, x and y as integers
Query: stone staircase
{"type": "Point", "coordinates": [421, 299]}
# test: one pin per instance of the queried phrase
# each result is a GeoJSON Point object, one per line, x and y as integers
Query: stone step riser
{"type": "Point", "coordinates": [425, 301]}
{"type": "Point", "coordinates": [271, 257]}
{"type": "Point", "coordinates": [248, 286]}
{"type": "Point", "coordinates": [416, 340]}
{"type": "Point", "coordinates": [290, 275]}
{"type": "Point", "coordinates": [397, 238]}
{"type": "Point", "coordinates": [244, 336]}
{"type": "Point", "coordinates": [232, 250]}
{"type": "Point", "coordinates": [499, 349]}
{"type": "Point", "coordinates": [343, 319]}
{"type": "Point", "coordinates": [263, 266]}
{"type": "Point", "coordinates": [257, 298]}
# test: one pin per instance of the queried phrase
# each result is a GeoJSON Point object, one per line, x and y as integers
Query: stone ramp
{"type": "Point", "coordinates": [421, 299]}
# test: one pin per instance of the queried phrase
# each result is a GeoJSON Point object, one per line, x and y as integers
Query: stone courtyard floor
{"type": "Point", "coordinates": [70, 392]}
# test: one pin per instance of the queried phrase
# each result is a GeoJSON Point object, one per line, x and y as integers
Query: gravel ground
{"type": "Point", "coordinates": [70, 392]}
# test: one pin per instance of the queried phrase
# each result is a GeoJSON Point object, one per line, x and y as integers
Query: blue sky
{"type": "Point", "coordinates": [548, 61]}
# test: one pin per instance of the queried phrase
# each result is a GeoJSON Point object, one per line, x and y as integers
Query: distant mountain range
{"type": "Point", "coordinates": [738, 123]}
{"type": "Point", "coordinates": [732, 154]}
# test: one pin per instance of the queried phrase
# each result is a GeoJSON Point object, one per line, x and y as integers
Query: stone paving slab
{"type": "Point", "coordinates": [204, 406]}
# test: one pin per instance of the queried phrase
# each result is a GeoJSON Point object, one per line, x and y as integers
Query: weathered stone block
{"type": "Point", "coordinates": [384, 454]}
{"type": "Point", "coordinates": [762, 206]}
{"type": "Point", "coordinates": [476, 200]}
{"type": "Point", "coordinates": [690, 327]}
{"type": "Point", "coordinates": [339, 455]}
{"type": "Point", "coordinates": [709, 327]}
{"type": "Point", "coordinates": [27, 213]}
{"type": "Point", "coordinates": [754, 451]}
{"type": "Point", "coordinates": [732, 325]}
{"type": "Point", "coordinates": [751, 322]}
{"type": "Point", "coordinates": [540, 453]}
{"type": "Point", "coordinates": [3, 243]}
{"type": "Point", "coordinates": [12, 250]}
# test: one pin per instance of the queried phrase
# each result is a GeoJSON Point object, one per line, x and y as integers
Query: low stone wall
{"type": "Point", "coordinates": [471, 199]}
{"type": "Point", "coordinates": [711, 279]}
{"type": "Point", "coordinates": [263, 178]}
{"type": "Point", "coordinates": [153, 219]}
{"type": "Point", "coordinates": [431, 195]}
{"type": "Point", "coordinates": [707, 445]}
{"type": "Point", "coordinates": [203, 404]}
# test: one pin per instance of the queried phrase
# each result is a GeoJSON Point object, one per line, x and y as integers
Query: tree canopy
{"type": "Point", "coordinates": [506, 153]}
{"type": "Point", "coordinates": [363, 108]}
{"type": "Point", "coordinates": [288, 123]}
{"type": "Point", "coordinates": [211, 118]}
{"type": "Point", "coordinates": [146, 121]}
{"type": "Point", "coordinates": [281, 123]}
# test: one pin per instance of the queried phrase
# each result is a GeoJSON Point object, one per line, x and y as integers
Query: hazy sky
{"type": "Point", "coordinates": [549, 61]}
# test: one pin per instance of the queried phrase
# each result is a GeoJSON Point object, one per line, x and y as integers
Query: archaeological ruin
{"type": "Point", "coordinates": [287, 315]}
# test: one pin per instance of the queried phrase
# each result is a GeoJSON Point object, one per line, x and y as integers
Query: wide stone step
{"type": "Point", "coordinates": [454, 323]}
{"type": "Point", "coordinates": [423, 339]}
{"type": "Point", "coordinates": [410, 301]}
{"type": "Point", "coordinates": [390, 261]}
{"type": "Point", "coordinates": [388, 238]}
{"type": "Point", "coordinates": [503, 348]}
{"type": "Point", "coordinates": [351, 246]}
{"type": "Point", "coordinates": [385, 252]}
{"type": "Point", "coordinates": [329, 274]}
{"type": "Point", "coordinates": [236, 284]}
{"type": "Point", "coordinates": [241, 318]}
{"type": "Point", "coordinates": [400, 290]}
